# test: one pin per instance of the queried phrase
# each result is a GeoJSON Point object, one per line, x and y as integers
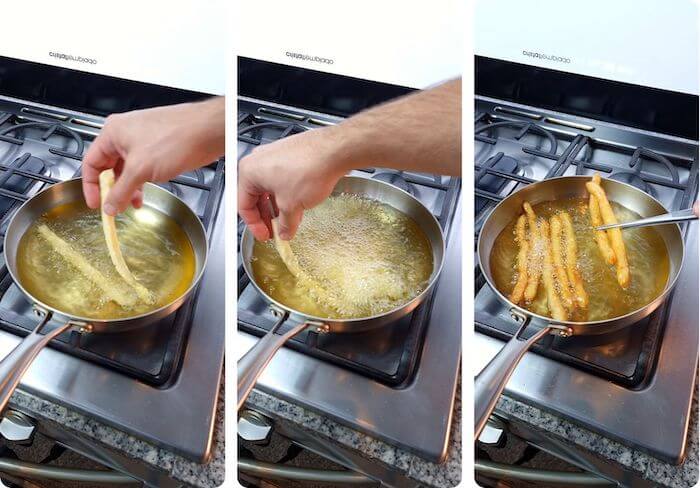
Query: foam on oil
{"type": "Point", "coordinates": [646, 253]}
{"type": "Point", "coordinates": [360, 258]}
{"type": "Point", "coordinates": [156, 249]}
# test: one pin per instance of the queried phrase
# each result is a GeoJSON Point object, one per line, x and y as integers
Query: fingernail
{"type": "Point", "coordinates": [284, 235]}
{"type": "Point", "coordinates": [109, 209]}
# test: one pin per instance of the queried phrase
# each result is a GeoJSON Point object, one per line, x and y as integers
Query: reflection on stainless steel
{"type": "Point", "coordinates": [651, 363]}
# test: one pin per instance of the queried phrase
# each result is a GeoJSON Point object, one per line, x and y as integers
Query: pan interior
{"type": "Point", "coordinates": [156, 249]}
{"type": "Point", "coordinates": [646, 253]}
{"type": "Point", "coordinates": [363, 258]}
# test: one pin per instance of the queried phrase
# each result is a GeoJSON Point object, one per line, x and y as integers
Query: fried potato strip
{"type": "Point", "coordinates": [534, 265]}
{"type": "Point", "coordinates": [615, 235]}
{"type": "Point", "coordinates": [596, 220]}
{"type": "Point", "coordinates": [518, 292]}
{"type": "Point", "coordinates": [285, 251]}
{"type": "Point", "coordinates": [572, 271]}
{"type": "Point", "coordinates": [118, 294]}
{"type": "Point", "coordinates": [109, 228]}
{"type": "Point", "coordinates": [555, 306]}
{"type": "Point", "coordinates": [561, 279]}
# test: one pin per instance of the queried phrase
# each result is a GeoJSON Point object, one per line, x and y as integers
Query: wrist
{"type": "Point", "coordinates": [344, 148]}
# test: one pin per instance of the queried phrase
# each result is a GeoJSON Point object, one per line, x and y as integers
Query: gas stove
{"type": "Point", "coordinates": [172, 367]}
{"type": "Point", "coordinates": [622, 383]}
{"type": "Point", "coordinates": [373, 381]}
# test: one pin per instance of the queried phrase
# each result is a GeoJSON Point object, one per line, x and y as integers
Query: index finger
{"type": "Point", "coordinates": [250, 213]}
{"type": "Point", "coordinates": [101, 155]}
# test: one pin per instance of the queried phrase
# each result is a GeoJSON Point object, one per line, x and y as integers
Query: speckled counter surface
{"type": "Point", "coordinates": [685, 475]}
{"type": "Point", "coordinates": [443, 475]}
{"type": "Point", "coordinates": [198, 475]}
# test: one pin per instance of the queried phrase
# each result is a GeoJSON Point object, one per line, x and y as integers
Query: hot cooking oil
{"type": "Point", "coordinates": [360, 258]}
{"type": "Point", "coordinates": [155, 248]}
{"type": "Point", "coordinates": [646, 253]}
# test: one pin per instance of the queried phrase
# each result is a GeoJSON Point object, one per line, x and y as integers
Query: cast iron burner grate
{"type": "Point", "coordinates": [152, 354]}
{"type": "Point", "coordinates": [625, 357]}
{"type": "Point", "coordinates": [389, 355]}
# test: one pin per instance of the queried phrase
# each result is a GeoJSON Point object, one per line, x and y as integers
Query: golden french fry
{"type": "Point", "coordinates": [535, 264]}
{"type": "Point", "coordinates": [519, 289]}
{"type": "Point", "coordinates": [596, 220]}
{"type": "Point", "coordinates": [561, 279]}
{"type": "Point", "coordinates": [555, 307]}
{"type": "Point", "coordinates": [109, 228]}
{"type": "Point", "coordinates": [615, 235]}
{"type": "Point", "coordinates": [117, 292]}
{"type": "Point", "coordinates": [285, 251]}
{"type": "Point", "coordinates": [571, 261]}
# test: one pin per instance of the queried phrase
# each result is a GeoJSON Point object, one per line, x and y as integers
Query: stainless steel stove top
{"type": "Point", "coordinates": [172, 368]}
{"type": "Point", "coordinates": [372, 394]}
{"type": "Point", "coordinates": [637, 386]}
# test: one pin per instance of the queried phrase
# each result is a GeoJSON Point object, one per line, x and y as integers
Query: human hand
{"type": "Point", "coordinates": [696, 208]}
{"type": "Point", "coordinates": [298, 171]}
{"type": "Point", "coordinates": [151, 145]}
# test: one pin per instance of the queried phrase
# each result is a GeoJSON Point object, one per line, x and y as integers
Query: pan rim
{"type": "Point", "coordinates": [328, 320]}
{"type": "Point", "coordinates": [670, 284]}
{"type": "Point", "coordinates": [155, 312]}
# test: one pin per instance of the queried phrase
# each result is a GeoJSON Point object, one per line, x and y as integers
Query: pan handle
{"type": "Point", "coordinates": [253, 363]}
{"type": "Point", "coordinates": [489, 384]}
{"type": "Point", "coordinates": [16, 363]}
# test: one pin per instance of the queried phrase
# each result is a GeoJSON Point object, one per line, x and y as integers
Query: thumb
{"type": "Point", "coordinates": [124, 190]}
{"type": "Point", "coordinates": [289, 222]}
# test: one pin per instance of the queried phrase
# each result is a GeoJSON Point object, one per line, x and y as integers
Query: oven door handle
{"type": "Point", "coordinates": [550, 478]}
{"type": "Point", "coordinates": [275, 471]}
{"type": "Point", "coordinates": [27, 470]}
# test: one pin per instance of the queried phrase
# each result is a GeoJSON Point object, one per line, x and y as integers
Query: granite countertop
{"type": "Point", "coordinates": [443, 475]}
{"type": "Point", "coordinates": [177, 467]}
{"type": "Point", "coordinates": [653, 469]}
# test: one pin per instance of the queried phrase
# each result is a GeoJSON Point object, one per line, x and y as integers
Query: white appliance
{"type": "Point", "coordinates": [632, 41]}
{"type": "Point", "coordinates": [411, 44]}
{"type": "Point", "coordinates": [176, 44]}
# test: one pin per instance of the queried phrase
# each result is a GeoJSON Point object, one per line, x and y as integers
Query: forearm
{"type": "Point", "coordinates": [209, 135]}
{"type": "Point", "coordinates": [419, 132]}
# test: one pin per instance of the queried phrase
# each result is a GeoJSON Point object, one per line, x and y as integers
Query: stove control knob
{"type": "Point", "coordinates": [16, 426]}
{"type": "Point", "coordinates": [254, 427]}
{"type": "Point", "coordinates": [493, 433]}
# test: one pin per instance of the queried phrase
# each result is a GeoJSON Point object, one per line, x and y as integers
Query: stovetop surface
{"type": "Point", "coordinates": [370, 381]}
{"type": "Point", "coordinates": [388, 354]}
{"type": "Point", "coordinates": [173, 366]}
{"type": "Point", "coordinates": [37, 150]}
{"type": "Point", "coordinates": [515, 146]}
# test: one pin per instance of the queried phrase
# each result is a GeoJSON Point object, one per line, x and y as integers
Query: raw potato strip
{"type": "Point", "coordinates": [555, 306]}
{"type": "Point", "coordinates": [115, 293]}
{"type": "Point", "coordinates": [517, 295]}
{"type": "Point", "coordinates": [533, 276]}
{"type": "Point", "coordinates": [115, 253]}
{"type": "Point", "coordinates": [596, 220]}
{"type": "Point", "coordinates": [560, 276]}
{"type": "Point", "coordinates": [572, 260]}
{"type": "Point", "coordinates": [285, 251]}
{"type": "Point", "coordinates": [615, 235]}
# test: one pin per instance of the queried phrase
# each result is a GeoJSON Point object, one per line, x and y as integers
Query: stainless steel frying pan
{"type": "Point", "coordinates": [489, 384]}
{"type": "Point", "coordinates": [13, 366]}
{"type": "Point", "coordinates": [252, 364]}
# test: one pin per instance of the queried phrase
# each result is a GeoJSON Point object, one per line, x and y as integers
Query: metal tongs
{"type": "Point", "coordinates": [669, 218]}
